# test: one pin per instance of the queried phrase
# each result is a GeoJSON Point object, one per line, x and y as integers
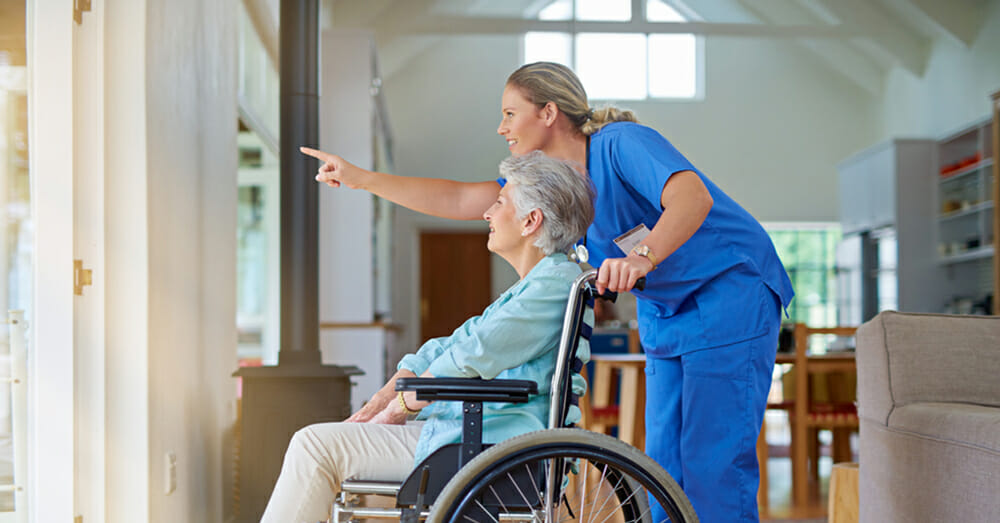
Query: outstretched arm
{"type": "Point", "coordinates": [433, 196]}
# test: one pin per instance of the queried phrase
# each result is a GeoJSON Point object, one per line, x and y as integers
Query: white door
{"type": "Point", "coordinates": [88, 253]}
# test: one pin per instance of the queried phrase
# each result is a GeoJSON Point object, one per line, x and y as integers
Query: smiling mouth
{"type": "Point", "coordinates": [511, 142]}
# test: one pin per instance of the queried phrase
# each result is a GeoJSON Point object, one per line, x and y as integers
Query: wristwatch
{"type": "Point", "coordinates": [644, 250]}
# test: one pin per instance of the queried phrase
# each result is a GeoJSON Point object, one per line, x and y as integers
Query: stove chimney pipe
{"type": "Point", "coordinates": [299, 192]}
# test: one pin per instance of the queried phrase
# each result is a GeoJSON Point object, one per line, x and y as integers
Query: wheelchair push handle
{"type": "Point", "coordinates": [612, 296]}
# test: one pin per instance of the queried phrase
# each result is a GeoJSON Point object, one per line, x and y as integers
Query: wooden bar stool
{"type": "Point", "coordinates": [629, 415]}
{"type": "Point", "coordinates": [808, 416]}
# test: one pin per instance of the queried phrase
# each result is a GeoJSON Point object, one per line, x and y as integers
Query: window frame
{"type": "Point", "coordinates": [572, 60]}
{"type": "Point", "coordinates": [829, 299]}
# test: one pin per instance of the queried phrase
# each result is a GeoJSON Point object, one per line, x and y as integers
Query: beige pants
{"type": "Point", "coordinates": [320, 457]}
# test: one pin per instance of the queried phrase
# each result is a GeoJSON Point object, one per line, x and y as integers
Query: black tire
{"type": "Point", "coordinates": [626, 475]}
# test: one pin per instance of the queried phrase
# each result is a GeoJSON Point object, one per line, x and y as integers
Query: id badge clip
{"type": "Point", "coordinates": [633, 237]}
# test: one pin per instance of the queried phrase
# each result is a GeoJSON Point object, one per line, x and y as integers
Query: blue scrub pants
{"type": "Point", "coordinates": [704, 411]}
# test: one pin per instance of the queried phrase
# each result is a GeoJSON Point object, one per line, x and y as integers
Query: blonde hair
{"type": "Point", "coordinates": [544, 82]}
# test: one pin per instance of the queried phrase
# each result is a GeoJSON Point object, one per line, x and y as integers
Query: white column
{"type": "Point", "coordinates": [50, 365]}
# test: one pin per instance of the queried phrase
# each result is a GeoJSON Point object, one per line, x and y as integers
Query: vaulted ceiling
{"type": "Point", "coordinates": [859, 39]}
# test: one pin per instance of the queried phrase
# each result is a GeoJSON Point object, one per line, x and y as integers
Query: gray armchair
{"type": "Point", "coordinates": [929, 403]}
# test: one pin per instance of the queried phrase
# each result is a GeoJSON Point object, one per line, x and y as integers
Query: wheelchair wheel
{"type": "Point", "coordinates": [599, 479]}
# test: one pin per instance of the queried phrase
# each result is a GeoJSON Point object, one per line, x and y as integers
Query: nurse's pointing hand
{"type": "Point", "coordinates": [620, 274]}
{"type": "Point", "coordinates": [336, 170]}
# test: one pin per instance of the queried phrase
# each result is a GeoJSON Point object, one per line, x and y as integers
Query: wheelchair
{"type": "Point", "coordinates": [552, 475]}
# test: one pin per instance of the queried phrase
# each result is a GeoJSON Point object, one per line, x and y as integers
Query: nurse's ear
{"type": "Point", "coordinates": [532, 222]}
{"type": "Point", "coordinates": [549, 113]}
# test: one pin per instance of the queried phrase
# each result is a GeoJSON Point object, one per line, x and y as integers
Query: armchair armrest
{"type": "Point", "coordinates": [469, 389]}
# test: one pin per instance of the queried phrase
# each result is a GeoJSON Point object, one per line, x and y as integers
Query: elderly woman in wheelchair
{"type": "Point", "coordinates": [520, 361]}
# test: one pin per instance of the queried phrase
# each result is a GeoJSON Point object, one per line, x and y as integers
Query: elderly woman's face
{"type": "Point", "coordinates": [505, 228]}
{"type": "Point", "coordinates": [521, 124]}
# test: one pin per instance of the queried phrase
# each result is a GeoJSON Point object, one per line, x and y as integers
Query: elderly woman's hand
{"type": "Point", "coordinates": [392, 414]}
{"type": "Point", "coordinates": [383, 398]}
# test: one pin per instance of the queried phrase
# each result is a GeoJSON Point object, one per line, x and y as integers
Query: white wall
{"type": "Point", "coordinates": [346, 278]}
{"type": "Point", "coordinates": [772, 127]}
{"type": "Point", "coordinates": [191, 165]}
{"type": "Point", "coordinates": [953, 92]}
{"type": "Point", "coordinates": [127, 258]}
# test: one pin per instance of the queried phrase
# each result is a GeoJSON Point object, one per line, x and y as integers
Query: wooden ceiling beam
{"type": "Point", "coordinates": [910, 50]}
{"type": "Point", "coordinates": [450, 25]}
{"type": "Point", "coordinates": [962, 19]}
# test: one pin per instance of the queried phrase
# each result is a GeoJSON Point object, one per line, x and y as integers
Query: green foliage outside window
{"type": "Point", "coordinates": [808, 253]}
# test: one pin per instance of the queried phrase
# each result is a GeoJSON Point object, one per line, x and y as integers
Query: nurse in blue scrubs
{"type": "Point", "coordinates": [711, 309]}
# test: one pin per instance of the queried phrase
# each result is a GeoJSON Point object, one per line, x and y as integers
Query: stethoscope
{"type": "Point", "coordinates": [579, 254]}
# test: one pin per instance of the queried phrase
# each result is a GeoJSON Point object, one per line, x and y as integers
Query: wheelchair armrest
{"type": "Point", "coordinates": [469, 389]}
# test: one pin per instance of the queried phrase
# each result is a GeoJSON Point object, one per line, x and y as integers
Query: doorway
{"type": "Point", "coordinates": [455, 280]}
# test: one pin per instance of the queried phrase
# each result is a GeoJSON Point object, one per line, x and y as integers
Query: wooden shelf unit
{"type": "Point", "coordinates": [965, 193]}
{"type": "Point", "coordinates": [965, 205]}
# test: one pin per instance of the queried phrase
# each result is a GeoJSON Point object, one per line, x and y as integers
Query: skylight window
{"type": "Point", "coordinates": [621, 66]}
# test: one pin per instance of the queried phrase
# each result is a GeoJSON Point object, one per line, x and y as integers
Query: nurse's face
{"type": "Point", "coordinates": [523, 123]}
{"type": "Point", "coordinates": [505, 228]}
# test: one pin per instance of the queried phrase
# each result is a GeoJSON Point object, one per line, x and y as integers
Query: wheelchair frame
{"type": "Point", "coordinates": [452, 470]}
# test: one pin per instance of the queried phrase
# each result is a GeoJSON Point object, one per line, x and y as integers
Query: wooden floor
{"type": "Point", "coordinates": [780, 472]}
{"type": "Point", "coordinates": [780, 475]}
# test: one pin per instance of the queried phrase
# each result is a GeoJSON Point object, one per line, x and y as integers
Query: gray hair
{"type": "Point", "coordinates": [565, 197]}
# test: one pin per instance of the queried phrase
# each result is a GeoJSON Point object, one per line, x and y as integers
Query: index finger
{"type": "Point", "coordinates": [315, 153]}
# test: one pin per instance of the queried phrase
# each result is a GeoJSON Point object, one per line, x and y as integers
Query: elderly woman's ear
{"type": "Point", "coordinates": [532, 222]}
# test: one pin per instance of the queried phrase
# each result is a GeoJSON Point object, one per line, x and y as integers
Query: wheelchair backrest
{"type": "Point", "coordinates": [581, 296]}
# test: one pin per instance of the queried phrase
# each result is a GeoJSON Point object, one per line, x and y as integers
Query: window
{"type": "Point", "coordinates": [17, 250]}
{"type": "Point", "coordinates": [258, 251]}
{"type": "Point", "coordinates": [621, 66]}
{"type": "Point", "coordinates": [808, 252]}
{"type": "Point", "coordinates": [258, 220]}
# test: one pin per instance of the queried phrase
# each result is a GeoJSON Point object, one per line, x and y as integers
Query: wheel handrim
{"type": "Point", "coordinates": [600, 510]}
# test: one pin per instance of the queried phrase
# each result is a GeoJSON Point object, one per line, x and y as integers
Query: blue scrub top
{"type": "Point", "coordinates": [719, 287]}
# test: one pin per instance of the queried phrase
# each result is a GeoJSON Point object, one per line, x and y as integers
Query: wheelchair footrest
{"type": "Point", "coordinates": [380, 488]}
{"type": "Point", "coordinates": [376, 513]}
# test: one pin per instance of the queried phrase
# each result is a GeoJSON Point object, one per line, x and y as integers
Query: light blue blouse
{"type": "Point", "coordinates": [516, 337]}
